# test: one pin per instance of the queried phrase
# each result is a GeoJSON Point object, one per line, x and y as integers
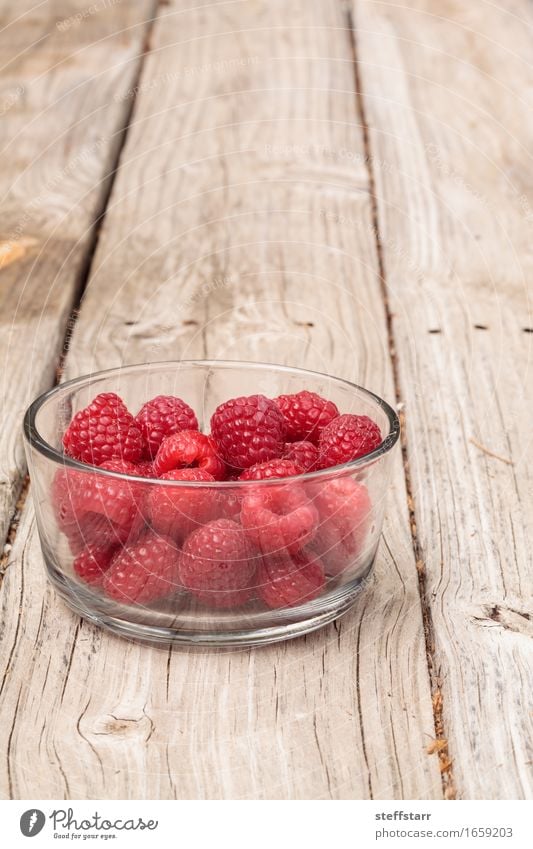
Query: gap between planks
{"type": "Point", "coordinates": [106, 194]}
{"type": "Point", "coordinates": [85, 271]}
{"type": "Point", "coordinates": [440, 745]}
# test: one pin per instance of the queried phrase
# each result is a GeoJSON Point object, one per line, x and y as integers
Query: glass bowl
{"type": "Point", "coordinates": [272, 586]}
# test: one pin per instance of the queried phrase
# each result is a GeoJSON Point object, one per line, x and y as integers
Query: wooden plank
{"type": "Point", "coordinates": [66, 73]}
{"type": "Point", "coordinates": [239, 226]}
{"type": "Point", "coordinates": [448, 105]}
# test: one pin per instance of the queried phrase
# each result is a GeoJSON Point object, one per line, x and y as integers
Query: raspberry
{"type": "Point", "coordinates": [104, 430]}
{"type": "Point", "coordinates": [161, 417]}
{"type": "Point", "coordinates": [347, 438]}
{"type": "Point", "coordinates": [232, 474]}
{"type": "Point", "coordinates": [111, 497]}
{"type": "Point", "coordinates": [305, 414]}
{"type": "Point", "coordinates": [93, 529]}
{"type": "Point", "coordinates": [224, 598]}
{"type": "Point", "coordinates": [216, 564]}
{"type": "Point", "coordinates": [248, 430]}
{"type": "Point", "coordinates": [189, 448]}
{"type": "Point", "coordinates": [344, 510]}
{"type": "Point", "coordinates": [94, 508]}
{"type": "Point", "coordinates": [304, 453]}
{"type": "Point", "coordinates": [123, 467]}
{"type": "Point", "coordinates": [143, 571]}
{"type": "Point", "coordinates": [144, 469]}
{"type": "Point", "coordinates": [279, 517]}
{"type": "Point", "coordinates": [284, 581]}
{"type": "Point", "coordinates": [92, 562]}
{"type": "Point", "coordinates": [178, 510]}
{"type": "Point", "coordinates": [227, 503]}
{"type": "Point", "coordinates": [271, 469]}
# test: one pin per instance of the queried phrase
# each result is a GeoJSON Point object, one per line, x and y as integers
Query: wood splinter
{"type": "Point", "coordinates": [490, 453]}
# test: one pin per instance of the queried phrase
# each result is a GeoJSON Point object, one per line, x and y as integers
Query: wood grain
{"type": "Point", "coordinates": [447, 98]}
{"type": "Point", "coordinates": [62, 109]}
{"type": "Point", "coordinates": [239, 226]}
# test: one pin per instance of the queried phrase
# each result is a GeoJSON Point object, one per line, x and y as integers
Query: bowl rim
{"type": "Point", "coordinates": [36, 441]}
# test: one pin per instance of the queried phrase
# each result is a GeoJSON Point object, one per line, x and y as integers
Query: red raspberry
{"type": "Point", "coordinates": [93, 529]}
{"type": "Point", "coordinates": [92, 562]}
{"type": "Point", "coordinates": [271, 469]}
{"type": "Point", "coordinates": [305, 454]}
{"type": "Point", "coordinates": [161, 417]}
{"type": "Point", "coordinates": [178, 510]}
{"type": "Point", "coordinates": [144, 469]}
{"type": "Point", "coordinates": [344, 510]}
{"type": "Point", "coordinates": [143, 571]}
{"type": "Point", "coordinates": [217, 564]}
{"type": "Point", "coordinates": [248, 430]}
{"type": "Point", "coordinates": [113, 498]}
{"type": "Point", "coordinates": [305, 414]}
{"type": "Point", "coordinates": [225, 598]}
{"type": "Point", "coordinates": [94, 508]}
{"type": "Point", "coordinates": [227, 501]}
{"type": "Point", "coordinates": [124, 467]}
{"type": "Point", "coordinates": [232, 474]}
{"type": "Point", "coordinates": [104, 430]}
{"type": "Point", "coordinates": [284, 581]}
{"type": "Point", "coordinates": [189, 448]}
{"type": "Point", "coordinates": [279, 517]}
{"type": "Point", "coordinates": [347, 438]}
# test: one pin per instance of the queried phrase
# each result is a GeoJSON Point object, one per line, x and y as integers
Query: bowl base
{"type": "Point", "coordinates": [146, 633]}
{"type": "Point", "coordinates": [316, 617]}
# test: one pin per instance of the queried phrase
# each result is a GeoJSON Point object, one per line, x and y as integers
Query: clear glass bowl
{"type": "Point", "coordinates": [317, 584]}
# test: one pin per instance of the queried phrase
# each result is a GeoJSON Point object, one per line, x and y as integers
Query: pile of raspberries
{"type": "Point", "coordinates": [278, 543]}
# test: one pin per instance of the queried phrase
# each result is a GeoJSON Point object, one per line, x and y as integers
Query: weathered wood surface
{"type": "Point", "coordinates": [243, 224]}
{"type": "Point", "coordinates": [448, 102]}
{"type": "Point", "coordinates": [240, 225]}
{"type": "Point", "coordinates": [62, 109]}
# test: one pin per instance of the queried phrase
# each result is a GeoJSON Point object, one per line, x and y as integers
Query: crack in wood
{"type": "Point", "coordinates": [108, 183]}
{"type": "Point", "coordinates": [5, 557]}
{"type": "Point", "coordinates": [441, 749]}
{"type": "Point", "coordinates": [85, 270]}
{"type": "Point", "coordinates": [508, 619]}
